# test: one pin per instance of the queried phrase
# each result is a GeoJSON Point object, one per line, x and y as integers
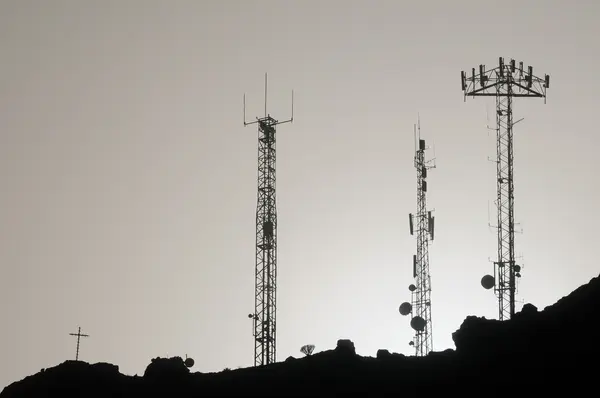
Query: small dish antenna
{"type": "Point", "coordinates": [307, 349]}
{"type": "Point", "coordinates": [418, 323]}
{"type": "Point", "coordinates": [189, 362]}
{"type": "Point", "coordinates": [488, 282]}
{"type": "Point", "coordinates": [405, 308]}
{"type": "Point", "coordinates": [412, 287]}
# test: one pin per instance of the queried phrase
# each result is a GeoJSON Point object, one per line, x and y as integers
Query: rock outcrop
{"type": "Point", "coordinates": [534, 354]}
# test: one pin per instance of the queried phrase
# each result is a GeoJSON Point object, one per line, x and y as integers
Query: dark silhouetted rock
{"type": "Point", "coordinates": [161, 368]}
{"type": "Point", "coordinates": [537, 353]}
{"type": "Point", "coordinates": [381, 353]}
{"type": "Point", "coordinates": [107, 368]}
{"type": "Point", "coordinates": [529, 309]}
{"type": "Point", "coordinates": [346, 346]}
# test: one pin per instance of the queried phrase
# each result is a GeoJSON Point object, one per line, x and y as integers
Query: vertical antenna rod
{"type": "Point", "coordinates": [421, 223]}
{"type": "Point", "coordinates": [79, 336]}
{"type": "Point", "coordinates": [505, 82]}
{"type": "Point", "coordinates": [264, 316]}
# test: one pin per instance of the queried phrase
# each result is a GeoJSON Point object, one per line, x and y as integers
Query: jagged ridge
{"type": "Point", "coordinates": [546, 350]}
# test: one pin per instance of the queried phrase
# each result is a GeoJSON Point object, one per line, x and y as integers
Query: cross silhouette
{"type": "Point", "coordinates": [79, 335]}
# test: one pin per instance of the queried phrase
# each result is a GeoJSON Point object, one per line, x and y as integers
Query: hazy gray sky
{"type": "Point", "coordinates": [129, 182]}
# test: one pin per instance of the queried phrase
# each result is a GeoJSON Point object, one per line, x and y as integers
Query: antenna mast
{"type": "Point", "coordinates": [505, 82]}
{"type": "Point", "coordinates": [79, 336]}
{"type": "Point", "coordinates": [265, 296]}
{"type": "Point", "coordinates": [421, 223]}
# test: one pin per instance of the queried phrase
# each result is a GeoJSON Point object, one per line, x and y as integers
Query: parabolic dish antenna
{"type": "Point", "coordinates": [418, 323]}
{"type": "Point", "coordinates": [517, 268]}
{"type": "Point", "coordinates": [412, 288]}
{"type": "Point", "coordinates": [405, 308]}
{"type": "Point", "coordinates": [487, 282]}
{"type": "Point", "coordinates": [189, 362]}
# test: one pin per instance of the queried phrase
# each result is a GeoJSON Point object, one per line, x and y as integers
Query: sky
{"type": "Point", "coordinates": [128, 180]}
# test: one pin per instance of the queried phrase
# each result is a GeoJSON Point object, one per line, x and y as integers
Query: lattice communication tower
{"type": "Point", "coordinates": [265, 297]}
{"type": "Point", "coordinates": [505, 82]}
{"type": "Point", "coordinates": [422, 224]}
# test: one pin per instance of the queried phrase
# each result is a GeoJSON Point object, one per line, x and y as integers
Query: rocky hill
{"type": "Point", "coordinates": [553, 351]}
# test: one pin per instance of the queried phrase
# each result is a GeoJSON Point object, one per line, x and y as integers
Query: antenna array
{"type": "Point", "coordinates": [505, 82]}
{"type": "Point", "coordinates": [264, 316]}
{"type": "Point", "coordinates": [421, 223]}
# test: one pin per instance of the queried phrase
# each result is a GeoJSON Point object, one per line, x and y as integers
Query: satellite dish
{"type": "Point", "coordinates": [189, 362]}
{"type": "Point", "coordinates": [517, 268]}
{"type": "Point", "coordinates": [418, 323]}
{"type": "Point", "coordinates": [405, 308]}
{"type": "Point", "coordinates": [488, 282]}
{"type": "Point", "coordinates": [412, 288]}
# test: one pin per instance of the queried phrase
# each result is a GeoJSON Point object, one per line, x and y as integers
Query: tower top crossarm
{"type": "Point", "coordinates": [482, 82]}
{"type": "Point", "coordinates": [267, 116]}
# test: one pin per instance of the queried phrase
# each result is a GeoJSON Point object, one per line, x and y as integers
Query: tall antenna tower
{"type": "Point", "coordinates": [505, 82]}
{"type": "Point", "coordinates": [421, 223]}
{"type": "Point", "coordinates": [264, 320]}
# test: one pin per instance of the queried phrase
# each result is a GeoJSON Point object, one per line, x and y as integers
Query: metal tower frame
{"type": "Point", "coordinates": [420, 305]}
{"type": "Point", "coordinates": [265, 297]}
{"type": "Point", "coordinates": [505, 82]}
